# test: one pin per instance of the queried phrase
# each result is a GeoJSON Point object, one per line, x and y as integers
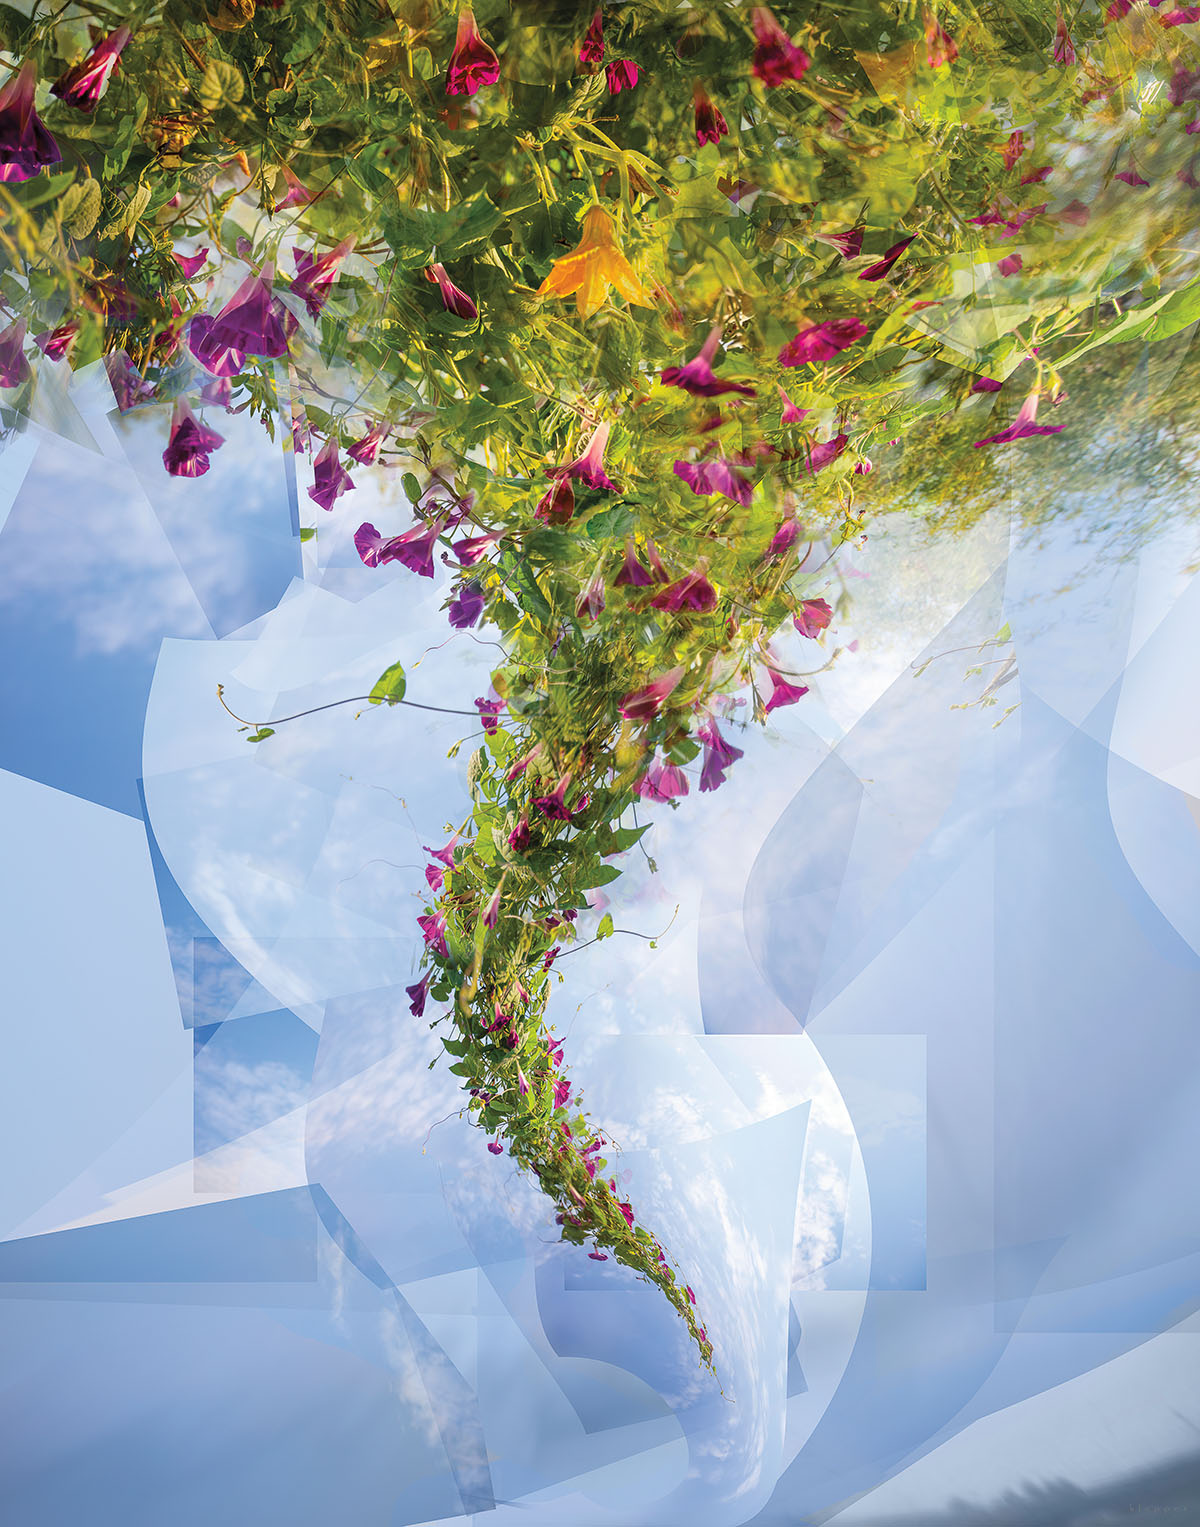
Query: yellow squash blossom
{"type": "Point", "coordinates": [595, 264]}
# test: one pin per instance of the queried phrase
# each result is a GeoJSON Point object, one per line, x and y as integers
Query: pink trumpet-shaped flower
{"type": "Point", "coordinates": [466, 607]}
{"type": "Point", "coordinates": [518, 838]}
{"type": "Point", "coordinates": [14, 368]}
{"type": "Point", "coordinates": [698, 376]}
{"type": "Point", "coordinates": [777, 59]}
{"type": "Point", "coordinates": [715, 476]}
{"type": "Point", "coordinates": [555, 805]}
{"type": "Point", "coordinates": [822, 341]}
{"type": "Point", "coordinates": [711, 125]}
{"type": "Point", "coordinates": [1118, 9]}
{"type": "Point", "coordinates": [315, 275]}
{"type": "Point", "coordinates": [881, 267]}
{"type": "Point", "coordinates": [825, 452]}
{"type": "Point", "coordinates": [792, 413]}
{"type": "Point", "coordinates": [297, 193]}
{"type": "Point", "coordinates": [522, 1083]}
{"type": "Point", "coordinates": [940, 47]}
{"type": "Point", "coordinates": [783, 693]}
{"type": "Point", "coordinates": [25, 145]}
{"type": "Point", "coordinates": [443, 855]}
{"type": "Point", "coordinates": [590, 603]}
{"type": "Point", "coordinates": [1010, 265]}
{"type": "Point", "coordinates": [472, 63]}
{"type": "Point", "coordinates": [330, 478]}
{"type": "Point", "coordinates": [784, 539]}
{"type": "Point", "coordinates": [1013, 148]}
{"type": "Point", "coordinates": [692, 592]}
{"type": "Point", "coordinates": [191, 264]}
{"type": "Point", "coordinates": [217, 358]}
{"type": "Point", "coordinates": [557, 504]}
{"type": "Point", "coordinates": [1023, 425]}
{"type": "Point", "coordinates": [491, 912]}
{"type": "Point", "coordinates": [645, 703]}
{"type": "Point", "coordinates": [191, 443]}
{"type": "Point", "coordinates": [417, 993]}
{"type": "Point", "coordinates": [56, 342]}
{"type": "Point", "coordinates": [366, 450]}
{"type": "Point", "coordinates": [622, 75]}
{"type": "Point", "coordinates": [414, 548]}
{"type": "Point", "coordinates": [1132, 178]}
{"type": "Point", "coordinates": [433, 928]}
{"type": "Point", "coordinates": [719, 755]}
{"type": "Point", "coordinates": [813, 617]}
{"type": "Point", "coordinates": [588, 466]}
{"type": "Point", "coordinates": [1181, 16]}
{"type": "Point", "coordinates": [129, 386]}
{"type": "Point", "coordinates": [848, 244]}
{"type": "Point", "coordinates": [488, 711]}
{"type": "Point", "coordinates": [453, 300]}
{"type": "Point", "coordinates": [562, 1091]}
{"type": "Point", "coordinates": [252, 321]}
{"type": "Point", "coordinates": [473, 551]}
{"type": "Point", "coordinates": [435, 878]}
{"type": "Point", "coordinates": [592, 49]}
{"type": "Point", "coordinates": [1064, 48]}
{"type": "Point", "coordinates": [495, 1147]}
{"type": "Point", "coordinates": [85, 82]}
{"type": "Point", "coordinates": [633, 574]}
{"type": "Point", "coordinates": [217, 391]}
{"type": "Point", "coordinates": [986, 384]}
{"type": "Point", "coordinates": [662, 782]}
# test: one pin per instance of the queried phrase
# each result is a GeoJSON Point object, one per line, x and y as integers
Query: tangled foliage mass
{"type": "Point", "coordinates": [635, 303]}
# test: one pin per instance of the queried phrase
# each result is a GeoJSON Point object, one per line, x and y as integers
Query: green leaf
{"type": "Point", "coordinates": [389, 686]}
{"type": "Point", "coordinates": [262, 734]}
{"type": "Point", "coordinates": [606, 926]}
{"type": "Point", "coordinates": [222, 84]}
{"type": "Point", "coordinates": [307, 532]}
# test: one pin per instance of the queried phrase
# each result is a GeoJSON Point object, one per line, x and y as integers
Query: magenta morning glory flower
{"type": "Point", "coordinates": [588, 466]}
{"type": "Point", "coordinates": [784, 539]}
{"type": "Point", "coordinates": [598, 1256]}
{"type": "Point", "coordinates": [1118, 9]}
{"type": "Point", "coordinates": [488, 711]}
{"type": "Point", "coordinates": [466, 607]}
{"type": "Point", "coordinates": [711, 125]}
{"type": "Point", "coordinates": [191, 443]}
{"type": "Point", "coordinates": [518, 838]}
{"type": "Point", "coordinates": [315, 275]}
{"type": "Point", "coordinates": [813, 617]}
{"type": "Point", "coordinates": [632, 574]}
{"type": "Point", "coordinates": [191, 264]}
{"type": "Point", "coordinates": [622, 75]}
{"type": "Point", "coordinates": [252, 321]}
{"type": "Point", "coordinates": [719, 755]}
{"type": "Point", "coordinates": [590, 603]}
{"type": "Point", "coordinates": [555, 805]}
{"type": "Point", "coordinates": [56, 342]}
{"type": "Point", "coordinates": [472, 63]}
{"type": "Point", "coordinates": [414, 548]}
{"type": "Point", "coordinates": [418, 992]}
{"type": "Point", "coordinates": [1184, 86]}
{"type": "Point", "coordinates": [1010, 265]}
{"type": "Point", "coordinates": [85, 82]}
{"type": "Point", "coordinates": [14, 368]}
{"type": "Point", "coordinates": [1013, 148]}
{"type": "Point", "coordinates": [473, 551]}
{"type": "Point", "coordinates": [940, 47]}
{"type": "Point", "coordinates": [825, 452]}
{"type": "Point", "coordinates": [433, 927]}
{"type": "Point", "coordinates": [592, 49]}
{"type": "Point", "coordinates": [297, 193]}
{"type": "Point", "coordinates": [495, 1147]}
{"type": "Point", "coordinates": [129, 386]}
{"type": "Point", "coordinates": [330, 478]}
{"type": "Point", "coordinates": [662, 782]}
{"type": "Point", "coordinates": [645, 703]}
{"type": "Point", "coordinates": [715, 476]}
{"type": "Point", "coordinates": [777, 59]}
{"type": "Point", "coordinates": [1064, 48]}
{"type": "Point", "coordinates": [453, 299]}
{"type": "Point", "coordinates": [557, 504]}
{"type": "Point", "coordinates": [1132, 178]}
{"type": "Point", "coordinates": [491, 912]}
{"type": "Point", "coordinates": [217, 358]}
{"type": "Point", "coordinates": [986, 384]}
{"type": "Point", "coordinates": [1183, 16]}
{"type": "Point", "coordinates": [698, 376]}
{"type": "Point", "coordinates": [443, 855]}
{"type": "Point", "coordinates": [782, 693]}
{"type": "Point", "coordinates": [822, 341]}
{"type": "Point", "coordinates": [848, 244]}
{"type": "Point", "coordinates": [562, 1091]}
{"type": "Point", "coordinates": [881, 267]}
{"type": "Point", "coordinates": [792, 414]}
{"type": "Point", "coordinates": [1023, 425]}
{"type": "Point", "coordinates": [25, 145]}
{"type": "Point", "coordinates": [366, 450]}
{"type": "Point", "coordinates": [691, 592]}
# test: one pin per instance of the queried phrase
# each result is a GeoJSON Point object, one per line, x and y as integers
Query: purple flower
{"type": "Point", "coordinates": [297, 193]}
{"type": "Point", "coordinates": [518, 838]}
{"type": "Point", "coordinates": [588, 466]}
{"type": "Point", "coordinates": [848, 244]}
{"type": "Point", "coordinates": [632, 574]}
{"type": "Point", "coordinates": [1181, 17]}
{"type": "Point", "coordinates": [488, 711]}
{"type": "Point", "coordinates": [1184, 86]}
{"type": "Point", "coordinates": [719, 755]}
{"type": "Point", "coordinates": [128, 385]}
{"type": "Point", "coordinates": [217, 358]}
{"type": "Point", "coordinates": [711, 125]}
{"type": "Point", "coordinates": [1038, 177]}
{"type": "Point", "coordinates": [433, 927]}
{"type": "Point", "coordinates": [315, 275]}
{"type": "Point", "coordinates": [562, 1091]}
{"type": "Point", "coordinates": [986, 384]}
{"type": "Point", "coordinates": [777, 59]}
{"type": "Point", "coordinates": [443, 855]}
{"type": "Point", "coordinates": [366, 450]}
{"type": "Point", "coordinates": [621, 76]}
{"type": "Point", "coordinates": [598, 1256]}
{"type": "Point", "coordinates": [14, 368]}
{"type": "Point", "coordinates": [792, 414]}
{"type": "Point", "coordinates": [472, 63]}
{"type": "Point", "coordinates": [1010, 265]}
{"type": "Point", "coordinates": [252, 321]}
{"type": "Point", "coordinates": [557, 504]}
{"type": "Point", "coordinates": [466, 607]}
{"type": "Point", "coordinates": [191, 443]}
{"type": "Point", "coordinates": [1118, 9]}
{"type": "Point", "coordinates": [522, 1083]}
{"type": "Point", "coordinates": [25, 145]}
{"type": "Point", "coordinates": [1023, 425]}
{"type": "Point", "coordinates": [784, 539]}
{"type": "Point", "coordinates": [691, 592]}
{"type": "Point", "coordinates": [435, 878]}
{"type": "Point", "coordinates": [330, 478]}
{"type": "Point", "coordinates": [1132, 178]}
{"type": "Point", "coordinates": [473, 551]}
{"type": "Point", "coordinates": [813, 617]}
{"type": "Point", "coordinates": [1064, 48]}
{"type": "Point", "coordinates": [783, 693]}
{"type": "Point", "coordinates": [940, 47]}
{"type": "Point", "coordinates": [56, 342]}
{"type": "Point", "coordinates": [881, 267]}
{"type": "Point", "coordinates": [825, 452]}
{"type": "Point", "coordinates": [414, 548]}
{"type": "Point", "coordinates": [662, 782]}
{"type": "Point", "coordinates": [495, 1147]}
{"type": "Point", "coordinates": [217, 391]}
{"type": "Point", "coordinates": [592, 49]}
{"type": "Point", "coordinates": [590, 603]}
{"type": "Point", "coordinates": [698, 376]}
{"type": "Point", "coordinates": [418, 993]}
{"type": "Point", "coordinates": [555, 805]}
{"type": "Point", "coordinates": [491, 912]}
{"type": "Point", "coordinates": [822, 341]}
{"type": "Point", "coordinates": [715, 476]}
{"type": "Point", "coordinates": [645, 703]}
{"type": "Point", "coordinates": [85, 82]}
{"type": "Point", "coordinates": [453, 300]}
{"type": "Point", "coordinates": [191, 264]}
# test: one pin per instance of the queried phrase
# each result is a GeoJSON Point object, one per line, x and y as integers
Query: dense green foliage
{"type": "Point", "coordinates": [891, 205]}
